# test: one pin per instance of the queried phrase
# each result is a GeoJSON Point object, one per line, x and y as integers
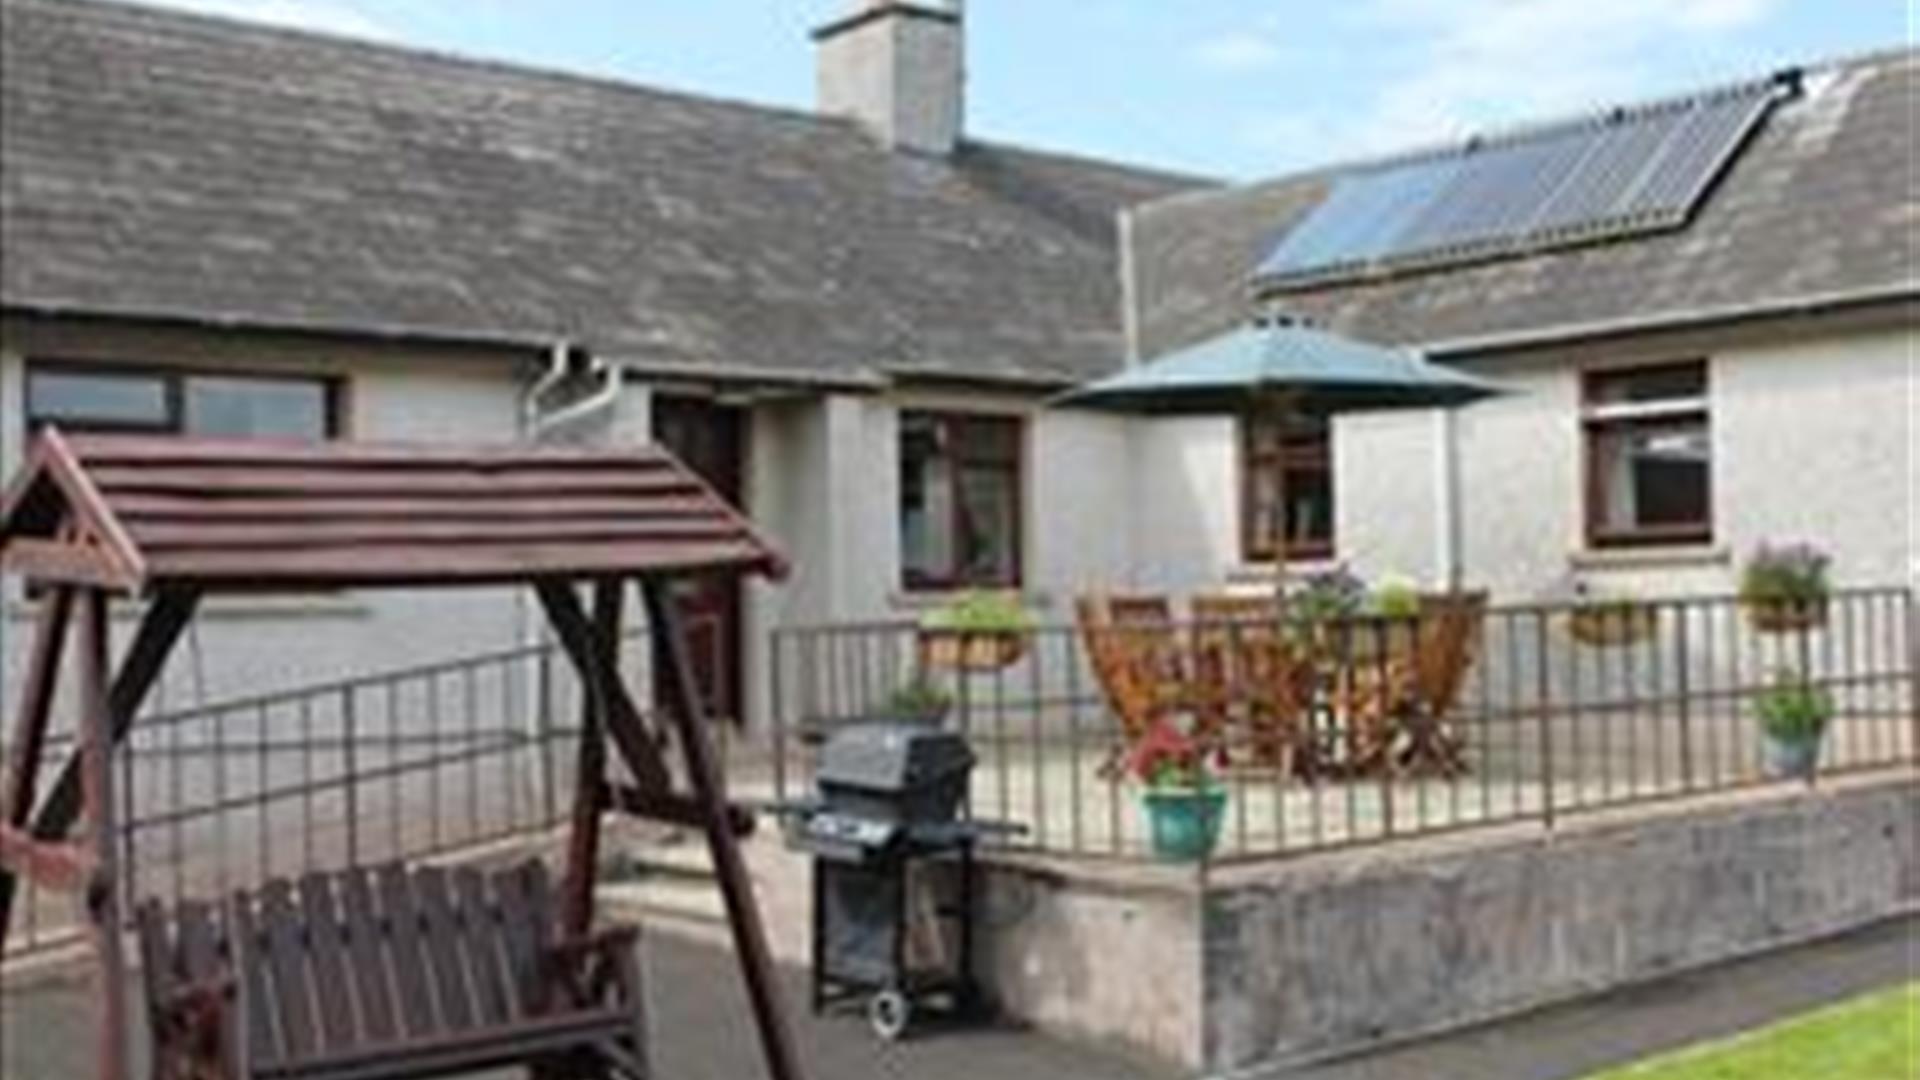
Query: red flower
{"type": "Point", "coordinates": [1165, 756]}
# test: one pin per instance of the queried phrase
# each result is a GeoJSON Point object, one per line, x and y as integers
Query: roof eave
{"type": "Point", "coordinates": [1686, 319]}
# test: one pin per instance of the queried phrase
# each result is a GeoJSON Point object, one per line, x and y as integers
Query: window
{"type": "Point", "coordinates": [959, 500]}
{"type": "Point", "coordinates": [1649, 456]}
{"type": "Point", "coordinates": [1300, 452]}
{"type": "Point", "coordinates": [89, 398]}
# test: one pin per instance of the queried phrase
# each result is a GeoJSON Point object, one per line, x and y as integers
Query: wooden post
{"type": "Point", "coordinates": [590, 770]}
{"type": "Point", "coordinates": [139, 669]}
{"type": "Point", "coordinates": [625, 727]}
{"type": "Point", "coordinates": [103, 892]}
{"type": "Point", "coordinates": [674, 667]}
{"type": "Point", "coordinates": [30, 730]}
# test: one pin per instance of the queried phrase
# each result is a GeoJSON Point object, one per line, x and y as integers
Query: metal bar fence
{"type": "Point", "coordinates": [406, 764]}
{"type": "Point", "coordinates": [1557, 710]}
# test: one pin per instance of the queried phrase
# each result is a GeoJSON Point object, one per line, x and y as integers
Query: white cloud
{"type": "Point", "coordinates": [327, 16]}
{"type": "Point", "coordinates": [1476, 64]}
{"type": "Point", "coordinates": [1240, 50]}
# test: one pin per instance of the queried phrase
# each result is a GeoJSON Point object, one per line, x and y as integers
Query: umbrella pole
{"type": "Point", "coordinates": [1278, 405]}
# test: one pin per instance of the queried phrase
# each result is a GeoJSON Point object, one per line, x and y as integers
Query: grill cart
{"type": "Point", "coordinates": [892, 872]}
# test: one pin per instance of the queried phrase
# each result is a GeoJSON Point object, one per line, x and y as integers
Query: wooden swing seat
{"type": "Point", "coordinates": [386, 973]}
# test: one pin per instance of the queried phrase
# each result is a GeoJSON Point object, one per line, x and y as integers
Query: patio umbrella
{"type": "Point", "coordinates": [1280, 367]}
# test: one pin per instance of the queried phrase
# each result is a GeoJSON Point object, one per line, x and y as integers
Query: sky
{"type": "Point", "coordinates": [1230, 88]}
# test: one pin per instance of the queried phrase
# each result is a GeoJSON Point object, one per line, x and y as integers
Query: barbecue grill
{"type": "Point", "coordinates": [892, 871]}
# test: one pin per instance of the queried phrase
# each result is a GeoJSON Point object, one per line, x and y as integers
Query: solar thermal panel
{"type": "Point", "coordinates": [1622, 173]}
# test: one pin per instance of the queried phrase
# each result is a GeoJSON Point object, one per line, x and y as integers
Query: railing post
{"type": "Point", "coordinates": [1683, 688]}
{"type": "Point", "coordinates": [777, 710]}
{"type": "Point", "coordinates": [1913, 667]}
{"type": "Point", "coordinates": [1544, 684]}
{"type": "Point", "coordinates": [350, 758]}
{"type": "Point", "coordinates": [543, 732]}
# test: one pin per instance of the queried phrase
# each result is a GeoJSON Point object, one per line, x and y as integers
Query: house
{"type": "Point", "coordinates": [1703, 305]}
{"type": "Point", "coordinates": [848, 319]}
{"type": "Point", "coordinates": [851, 320]}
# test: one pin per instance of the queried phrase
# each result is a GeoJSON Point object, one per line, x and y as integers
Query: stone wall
{"type": "Point", "coordinates": [1327, 955]}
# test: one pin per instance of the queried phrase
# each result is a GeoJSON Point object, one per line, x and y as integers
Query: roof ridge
{"type": "Point", "coordinates": [1080, 158]}
{"type": "Point", "coordinates": [206, 21]}
{"type": "Point", "coordinates": [1502, 134]}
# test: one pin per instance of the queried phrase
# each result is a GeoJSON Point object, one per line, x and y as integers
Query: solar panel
{"type": "Point", "coordinates": [1627, 172]}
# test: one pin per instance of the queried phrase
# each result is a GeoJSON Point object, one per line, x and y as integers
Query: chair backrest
{"type": "Point", "coordinates": [337, 963]}
{"type": "Point", "coordinates": [1133, 651]}
{"type": "Point", "coordinates": [1451, 627]}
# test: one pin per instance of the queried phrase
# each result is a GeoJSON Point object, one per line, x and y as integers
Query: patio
{"type": "Point", "coordinates": [1547, 726]}
{"type": "Point", "coordinates": [710, 1040]}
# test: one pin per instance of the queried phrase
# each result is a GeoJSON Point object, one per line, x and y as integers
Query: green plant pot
{"type": "Point", "coordinates": [1184, 822]}
{"type": "Point", "coordinates": [1794, 759]}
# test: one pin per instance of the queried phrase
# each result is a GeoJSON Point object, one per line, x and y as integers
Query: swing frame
{"type": "Point", "coordinates": [172, 520]}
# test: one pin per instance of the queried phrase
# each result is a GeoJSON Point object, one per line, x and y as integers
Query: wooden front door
{"type": "Point", "coordinates": [711, 439]}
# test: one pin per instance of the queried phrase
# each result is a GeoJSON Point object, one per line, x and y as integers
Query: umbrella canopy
{"type": "Point", "coordinates": [1310, 370]}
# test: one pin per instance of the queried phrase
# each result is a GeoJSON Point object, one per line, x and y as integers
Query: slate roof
{"type": "Point", "coordinates": [157, 164]}
{"type": "Point", "coordinates": [1822, 204]}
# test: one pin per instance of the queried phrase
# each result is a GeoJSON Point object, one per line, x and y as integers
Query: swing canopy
{"type": "Point", "coordinates": [174, 519]}
{"type": "Point", "coordinates": [136, 514]}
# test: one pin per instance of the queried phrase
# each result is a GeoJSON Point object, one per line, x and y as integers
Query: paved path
{"type": "Point", "coordinates": [1574, 1040]}
{"type": "Point", "coordinates": [701, 1033]}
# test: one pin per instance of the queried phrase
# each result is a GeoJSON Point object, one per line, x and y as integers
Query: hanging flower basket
{"type": "Point", "coordinates": [1784, 588]}
{"type": "Point", "coordinates": [972, 650]}
{"type": "Point", "coordinates": [1786, 616]}
{"type": "Point", "coordinates": [1613, 624]}
{"type": "Point", "coordinates": [979, 631]}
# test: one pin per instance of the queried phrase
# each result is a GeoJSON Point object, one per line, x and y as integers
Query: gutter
{"type": "Point", "coordinates": [1565, 333]}
{"type": "Point", "coordinates": [426, 335]}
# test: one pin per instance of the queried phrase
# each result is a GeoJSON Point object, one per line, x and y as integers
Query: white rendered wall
{"type": "Point", "coordinates": [1814, 438]}
{"type": "Point", "coordinates": [249, 645]}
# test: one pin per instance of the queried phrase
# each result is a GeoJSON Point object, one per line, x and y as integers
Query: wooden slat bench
{"type": "Point", "coordinates": [389, 972]}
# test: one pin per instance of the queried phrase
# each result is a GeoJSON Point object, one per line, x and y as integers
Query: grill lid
{"type": "Point", "coordinates": [892, 757]}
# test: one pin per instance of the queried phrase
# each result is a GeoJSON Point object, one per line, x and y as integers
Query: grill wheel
{"type": "Point", "coordinates": [890, 1012]}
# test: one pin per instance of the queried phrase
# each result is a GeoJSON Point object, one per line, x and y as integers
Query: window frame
{"type": "Point", "coordinates": [1251, 460]}
{"type": "Point", "coordinates": [914, 581]}
{"type": "Point", "coordinates": [1599, 418]}
{"type": "Point", "coordinates": [174, 379]}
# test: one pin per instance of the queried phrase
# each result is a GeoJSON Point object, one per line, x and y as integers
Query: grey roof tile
{"type": "Point", "coordinates": [159, 164]}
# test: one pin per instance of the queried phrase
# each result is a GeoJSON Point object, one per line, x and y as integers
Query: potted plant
{"type": "Point", "coordinates": [1182, 796]}
{"type": "Point", "coordinates": [1784, 588]}
{"type": "Point", "coordinates": [1388, 623]}
{"type": "Point", "coordinates": [1610, 619]}
{"type": "Point", "coordinates": [1793, 717]}
{"type": "Point", "coordinates": [920, 701]}
{"type": "Point", "coordinates": [1325, 604]}
{"type": "Point", "coordinates": [979, 631]}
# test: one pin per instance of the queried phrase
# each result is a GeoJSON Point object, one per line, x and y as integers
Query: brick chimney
{"type": "Point", "coordinates": [899, 68]}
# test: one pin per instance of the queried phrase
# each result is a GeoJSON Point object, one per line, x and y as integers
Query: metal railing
{"type": "Point", "coordinates": [1563, 710]}
{"type": "Point", "coordinates": [404, 764]}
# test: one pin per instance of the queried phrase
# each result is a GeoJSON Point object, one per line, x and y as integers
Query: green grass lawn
{"type": "Point", "coordinates": [1876, 1037]}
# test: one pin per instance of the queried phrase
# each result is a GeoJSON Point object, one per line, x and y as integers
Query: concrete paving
{"type": "Point", "coordinates": [702, 1032]}
{"type": "Point", "coordinates": [700, 1024]}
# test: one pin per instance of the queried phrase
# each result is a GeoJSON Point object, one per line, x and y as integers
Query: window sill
{"type": "Point", "coordinates": [231, 608]}
{"type": "Point", "coordinates": [1261, 573]}
{"type": "Point", "coordinates": [1653, 556]}
{"type": "Point", "coordinates": [920, 600]}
